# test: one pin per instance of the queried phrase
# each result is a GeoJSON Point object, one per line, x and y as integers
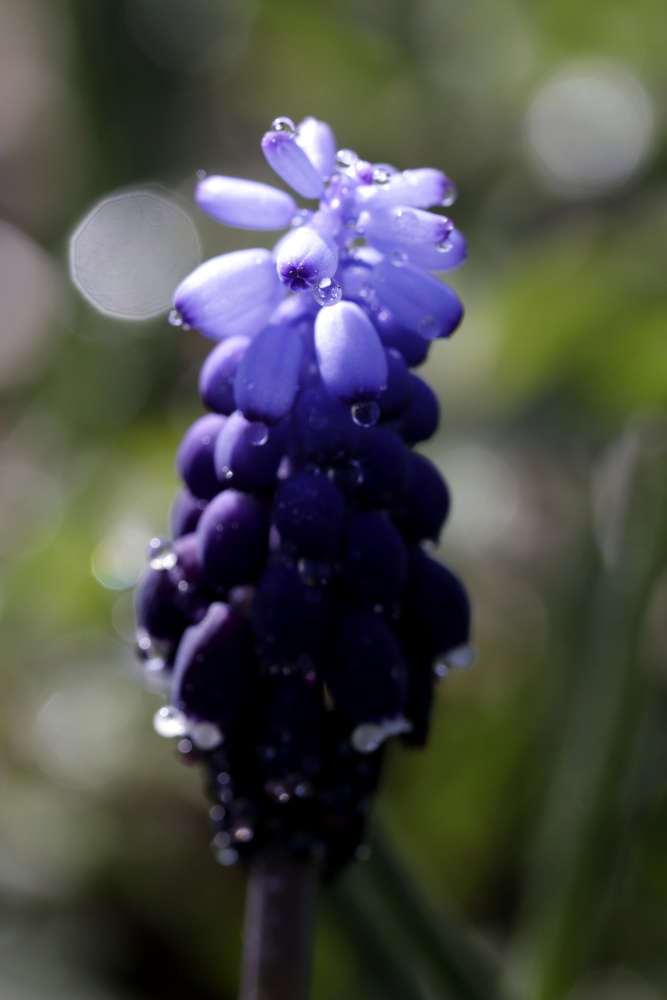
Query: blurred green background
{"type": "Point", "coordinates": [538, 814]}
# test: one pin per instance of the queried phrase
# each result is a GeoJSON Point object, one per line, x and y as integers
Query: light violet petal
{"type": "Point", "coordinates": [234, 294]}
{"type": "Point", "coordinates": [246, 204]}
{"type": "Point", "coordinates": [351, 359]}
{"type": "Point", "coordinates": [319, 144]}
{"type": "Point", "coordinates": [287, 158]}
{"type": "Point", "coordinates": [402, 227]}
{"type": "Point", "coordinates": [446, 257]}
{"type": "Point", "coordinates": [304, 257]}
{"type": "Point", "coordinates": [267, 378]}
{"type": "Point", "coordinates": [417, 299]}
{"type": "Point", "coordinates": [422, 188]}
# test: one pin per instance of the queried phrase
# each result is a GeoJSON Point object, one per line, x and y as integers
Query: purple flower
{"type": "Point", "coordinates": [296, 620]}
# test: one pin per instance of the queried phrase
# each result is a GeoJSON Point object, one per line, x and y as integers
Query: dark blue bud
{"type": "Point", "coordinates": [373, 561]}
{"type": "Point", "coordinates": [385, 469]}
{"type": "Point", "coordinates": [194, 458]}
{"type": "Point", "coordinates": [218, 374]}
{"type": "Point", "coordinates": [289, 616]}
{"type": "Point", "coordinates": [185, 513]}
{"type": "Point", "coordinates": [425, 505]}
{"type": "Point", "coordinates": [233, 538]}
{"type": "Point", "coordinates": [420, 420]}
{"type": "Point", "coordinates": [213, 667]}
{"type": "Point", "coordinates": [308, 512]}
{"type": "Point", "coordinates": [267, 378]}
{"type": "Point", "coordinates": [247, 455]}
{"type": "Point", "coordinates": [413, 348]}
{"type": "Point", "coordinates": [365, 671]}
{"type": "Point", "coordinates": [396, 396]}
{"type": "Point", "coordinates": [324, 431]}
{"type": "Point", "coordinates": [291, 738]}
{"type": "Point", "coordinates": [438, 603]}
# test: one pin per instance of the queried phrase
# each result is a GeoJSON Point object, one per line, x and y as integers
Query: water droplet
{"type": "Point", "coordinates": [398, 258]}
{"type": "Point", "coordinates": [366, 414]}
{"type": "Point", "coordinates": [445, 246]}
{"type": "Point", "coordinates": [429, 327]}
{"type": "Point", "coordinates": [201, 175]}
{"type": "Point", "coordinates": [460, 658]}
{"type": "Point", "coordinates": [160, 554]}
{"type": "Point", "coordinates": [450, 194]}
{"type": "Point", "coordinates": [257, 434]}
{"type": "Point", "coordinates": [184, 746]}
{"type": "Point", "coordinates": [169, 721]}
{"type": "Point", "coordinates": [221, 840]}
{"type": "Point", "coordinates": [175, 318]}
{"type": "Point", "coordinates": [283, 125]}
{"type": "Point", "coordinates": [223, 778]}
{"type": "Point", "coordinates": [364, 171]}
{"type": "Point", "coordinates": [279, 791]}
{"type": "Point", "coordinates": [303, 789]}
{"type": "Point", "coordinates": [206, 735]}
{"type": "Point", "coordinates": [243, 834]}
{"type": "Point", "coordinates": [346, 158]}
{"type": "Point", "coordinates": [368, 736]}
{"type": "Point", "coordinates": [327, 292]}
{"type": "Point", "coordinates": [300, 218]}
{"type": "Point", "coordinates": [440, 668]}
{"type": "Point", "coordinates": [227, 857]}
{"type": "Point", "coordinates": [217, 813]}
{"type": "Point", "coordinates": [226, 473]}
{"type": "Point", "coordinates": [382, 173]}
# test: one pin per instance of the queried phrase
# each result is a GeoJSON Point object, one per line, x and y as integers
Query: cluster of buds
{"type": "Point", "coordinates": [296, 620]}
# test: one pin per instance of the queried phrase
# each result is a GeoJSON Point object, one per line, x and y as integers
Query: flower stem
{"type": "Point", "coordinates": [279, 927]}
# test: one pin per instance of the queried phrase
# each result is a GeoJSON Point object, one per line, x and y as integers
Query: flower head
{"type": "Point", "coordinates": [295, 620]}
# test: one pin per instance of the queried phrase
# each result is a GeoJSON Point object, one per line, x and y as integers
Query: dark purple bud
{"type": "Point", "coordinates": [247, 455]}
{"type": "Point", "coordinates": [308, 512]}
{"type": "Point", "coordinates": [396, 396]}
{"type": "Point", "coordinates": [417, 299]}
{"type": "Point", "coordinates": [420, 421]}
{"type": "Point", "coordinates": [351, 359]}
{"type": "Point", "coordinates": [218, 374]}
{"type": "Point", "coordinates": [439, 606]}
{"type": "Point", "coordinates": [385, 469]}
{"type": "Point", "coordinates": [169, 599]}
{"type": "Point", "coordinates": [194, 458]}
{"type": "Point", "coordinates": [392, 334]}
{"type": "Point", "coordinates": [213, 667]}
{"type": "Point", "coordinates": [233, 539]}
{"type": "Point", "coordinates": [289, 616]}
{"type": "Point", "coordinates": [324, 430]}
{"type": "Point", "coordinates": [287, 158]}
{"type": "Point", "coordinates": [185, 513]}
{"type": "Point", "coordinates": [267, 378]}
{"type": "Point", "coordinates": [290, 742]}
{"type": "Point", "coordinates": [304, 258]}
{"type": "Point", "coordinates": [373, 560]}
{"type": "Point", "coordinates": [425, 506]}
{"type": "Point", "coordinates": [367, 677]}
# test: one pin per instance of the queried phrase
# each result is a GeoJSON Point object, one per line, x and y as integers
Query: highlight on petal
{"type": "Point", "coordinates": [319, 144]}
{"type": "Point", "coordinates": [268, 375]}
{"type": "Point", "coordinates": [287, 158]}
{"type": "Point", "coordinates": [445, 257]}
{"type": "Point", "coordinates": [417, 299]}
{"type": "Point", "coordinates": [245, 204]}
{"type": "Point", "coordinates": [422, 188]}
{"type": "Point", "coordinates": [235, 293]}
{"type": "Point", "coordinates": [402, 227]}
{"type": "Point", "coordinates": [304, 258]}
{"type": "Point", "coordinates": [350, 356]}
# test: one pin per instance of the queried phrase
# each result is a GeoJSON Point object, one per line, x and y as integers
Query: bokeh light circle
{"type": "Point", "coordinates": [130, 252]}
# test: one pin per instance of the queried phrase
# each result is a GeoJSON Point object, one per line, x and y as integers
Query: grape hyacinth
{"type": "Point", "coordinates": [296, 620]}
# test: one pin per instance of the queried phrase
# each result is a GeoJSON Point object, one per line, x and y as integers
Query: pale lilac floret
{"type": "Point", "coordinates": [304, 258]}
{"type": "Point", "coordinates": [229, 295]}
{"type": "Point", "coordinates": [245, 204]}
{"type": "Point", "coordinates": [319, 144]}
{"type": "Point", "coordinates": [287, 158]}
{"type": "Point", "coordinates": [351, 358]}
{"type": "Point", "coordinates": [419, 301]}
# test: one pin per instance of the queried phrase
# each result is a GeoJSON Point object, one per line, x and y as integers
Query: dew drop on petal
{"type": "Point", "coordinates": [450, 194]}
{"type": "Point", "coordinates": [257, 433]}
{"type": "Point", "coordinates": [283, 125]}
{"type": "Point", "coordinates": [429, 327]}
{"type": "Point", "coordinates": [445, 246]}
{"type": "Point", "coordinates": [346, 158]}
{"type": "Point", "coordinates": [205, 735]}
{"type": "Point", "coordinates": [440, 667]}
{"type": "Point", "coordinates": [175, 318]}
{"type": "Point", "coordinates": [169, 722]}
{"type": "Point", "coordinates": [300, 218]}
{"type": "Point", "coordinates": [279, 791]}
{"type": "Point", "coordinates": [160, 554]}
{"type": "Point", "coordinates": [398, 257]}
{"type": "Point", "coordinates": [368, 736]}
{"type": "Point", "coordinates": [327, 292]}
{"type": "Point", "coordinates": [366, 414]}
{"type": "Point", "coordinates": [382, 173]}
{"type": "Point", "coordinates": [460, 658]}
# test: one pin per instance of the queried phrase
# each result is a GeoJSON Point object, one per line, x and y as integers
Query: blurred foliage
{"type": "Point", "coordinates": [538, 814]}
